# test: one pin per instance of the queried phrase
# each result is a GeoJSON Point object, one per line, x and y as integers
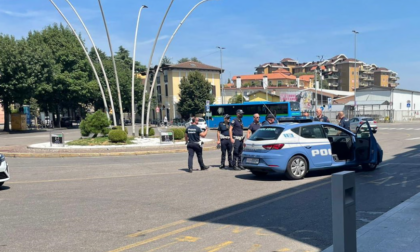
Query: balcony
{"type": "Point", "coordinates": [333, 77]}
{"type": "Point", "coordinates": [393, 85]}
{"type": "Point", "coordinates": [333, 84]}
{"type": "Point", "coordinates": [393, 77]}
{"type": "Point", "coordinates": [363, 77]}
{"type": "Point", "coordinates": [364, 84]}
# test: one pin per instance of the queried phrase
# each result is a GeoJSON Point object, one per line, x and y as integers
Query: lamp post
{"type": "Point", "coordinates": [87, 55]}
{"type": "Point", "coordinates": [355, 65]}
{"type": "Point", "coordinates": [133, 113]}
{"type": "Point", "coordinates": [115, 67]}
{"type": "Point", "coordinates": [221, 73]}
{"type": "Point", "coordinates": [321, 78]}
{"type": "Point", "coordinates": [100, 63]}
{"type": "Point", "coordinates": [161, 58]}
{"type": "Point", "coordinates": [148, 71]}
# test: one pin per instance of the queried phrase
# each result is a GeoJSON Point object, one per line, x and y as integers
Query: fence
{"type": "Point", "coordinates": [378, 115]}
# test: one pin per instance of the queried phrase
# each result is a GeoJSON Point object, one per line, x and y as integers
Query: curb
{"type": "Point", "coordinates": [110, 154]}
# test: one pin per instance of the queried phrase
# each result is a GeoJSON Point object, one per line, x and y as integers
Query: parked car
{"type": "Point", "coordinates": [66, 121]}
{"type": "Point", "coordinates": [4, 170]}
{"type": "Point", "coordinates": [201, 123]}
{"type": "Point", "coordinates": [359, 122]}
{"type": "Point", "coordinates": [297, 148]}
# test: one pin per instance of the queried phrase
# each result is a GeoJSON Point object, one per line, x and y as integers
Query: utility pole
{"type": "Point", "coordinates": [221, 74]}
{"type": "Point", "coordinates": [316, 89]}
{"type": "Point", "coordinates": [355, 65]}
{"type": "Point", "coordinates": [321, 78]}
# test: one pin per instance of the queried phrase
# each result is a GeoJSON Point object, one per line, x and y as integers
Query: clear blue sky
{"type": "Point", "coordinates": [253, 32]}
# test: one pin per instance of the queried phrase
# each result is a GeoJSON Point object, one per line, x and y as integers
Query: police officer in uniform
{"type": "Point", "coordinates": [255, 125]}
{"type": "Point", "coordinates": [223, 139]}
{"type": "Point", "coordinates": [236, 133]}
{"type": "Point", "coordinates": [320, 117]}
{"type": "Point", "coordinates": [344, 121]}
{"type": "Point", "coordinates": [192, 139]}
{"type": "Point", "coordinates": [271, 119]}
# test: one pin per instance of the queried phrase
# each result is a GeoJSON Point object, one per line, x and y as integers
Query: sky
{"type": "Point", "coordinates": [253, 32]}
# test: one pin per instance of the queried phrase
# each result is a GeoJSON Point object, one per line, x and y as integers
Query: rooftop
{"type": "Point", "coordinates": [195, 65]}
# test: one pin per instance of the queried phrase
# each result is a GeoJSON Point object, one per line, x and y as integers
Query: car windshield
{"type": "Point", "coordinates": [367, 119]}
{"type": "Point", "coordinates": [268, 133]}
{"type": "Point", "coordinates": [201, 120]}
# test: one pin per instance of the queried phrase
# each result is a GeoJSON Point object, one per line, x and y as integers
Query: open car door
{"type": "Point", "coordinates": [367, 149]}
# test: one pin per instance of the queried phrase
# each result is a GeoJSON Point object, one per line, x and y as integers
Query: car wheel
{"type": "Point", "coordinates": [297, 168]}
{"type": "Point", "coordinates": [369, 167]}
{"type": "Point", "coordinates": [374, 131]}
{"type": "Point", "coordinates": [259, 173]}
{"type": "Point", "coordinates": [1, 183]}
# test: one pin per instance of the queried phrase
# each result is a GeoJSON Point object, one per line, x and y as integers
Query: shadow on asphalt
{"type": "Point", "coordinates": [303, 212]}
{"type": "Point", "coordinates": [4, 188]}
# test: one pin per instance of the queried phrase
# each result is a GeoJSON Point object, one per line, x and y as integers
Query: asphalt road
{"type": "Point", "coordinates": [149, 203]}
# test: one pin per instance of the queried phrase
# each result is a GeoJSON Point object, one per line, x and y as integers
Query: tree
{"type": "Point", "coordinates": [195, 90]}
{"type": "Point", "coordinates": [195, 59]}
{"type": "Point", "coordinates": [228, 81]}
{"type": "Point", "coordinates": [182, 60]}
{"type": "Point", "coordinates": [166, 61]}
{"type": "Point", "coordinates": [236, 99]}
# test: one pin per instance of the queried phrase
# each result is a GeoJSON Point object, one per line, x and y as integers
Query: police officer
{"type": "Point", "coordinates": [223, 139]}
{"type": "Point", "coordinates": [255, 125]}
{"type": "Point", "coordinates": [320, 117]}
{"type": "Point", "coordinates": [192, 139]}
{"type": "Point", "coordinates": [344, 121]}
{"type": "Point", "coordinates": [236, 133]}
{"type": "Point", "coordinates": [271, 119]}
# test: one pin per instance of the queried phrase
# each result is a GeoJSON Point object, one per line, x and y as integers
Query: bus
{"type": "Point", "coordinates": [279, 109]}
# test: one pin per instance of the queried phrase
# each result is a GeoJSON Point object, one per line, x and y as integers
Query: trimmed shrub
{"type": "Point", "coordinates": [95, 123]}
{"type": "Point", "coordinates": [120, 128]}
{"type": "Point", "coordinates": [151, 131]}
{"type": "Point", "coordinates": [178, 133]}
{"type": "Point", "coordinates": [117, 136]}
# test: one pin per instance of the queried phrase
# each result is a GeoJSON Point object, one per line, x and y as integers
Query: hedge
{"type": "Point", "coordinates": [117, 136]}
{"type": "Point", "coordinates": [151, 131]}
{"type": "Point", "coordinates": [120, 128]}
{"type": "Point", "coordinates": [179, 133]}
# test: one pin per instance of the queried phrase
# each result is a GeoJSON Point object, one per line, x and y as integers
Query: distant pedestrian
{"type": "Point", "coordinates": [236, 133]}
{"type": "Point", "coordinates": [255, 125]}
{"type": "Point", "coordinates": [165, 121]}
{"type": "Point", "coordinates": [344, 121]}
{"type": "Point", "coordinates": [305, 114]}
{"type": "Point", "coordinates": [320, 117]}
{"type": "Point", "coordinates": [223, 139]}
{"type": "Point", "coordinates": [271, 119]}
{"type": "Point", "coordinates": [194, 144]}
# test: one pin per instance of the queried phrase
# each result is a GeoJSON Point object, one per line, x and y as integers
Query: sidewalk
{"type": "Point", "coordinates": [396, 230]}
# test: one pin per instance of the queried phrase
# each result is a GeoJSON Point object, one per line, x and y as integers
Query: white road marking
{"type": "Point", "coordinates": [410, 139]}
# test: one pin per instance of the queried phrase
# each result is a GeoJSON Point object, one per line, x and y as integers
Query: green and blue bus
{"type": "Point", "coordinates": [279, 109]}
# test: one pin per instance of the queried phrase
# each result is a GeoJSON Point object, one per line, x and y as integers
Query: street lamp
{"type": "Point", "coordinates": [321, 58]}
{"type": "Point", "coordinates": [148, 71]}
{"type": "Point", "coordinates": [160, 61]}
{"type": "Point", "coordinates": [355, 65]}
{"type": "Point", "coordinates": [221, 73]}
{"type": "Point", "coordinates": [133, 113]}
{"type": "Point", "coordinates": [100, 63]}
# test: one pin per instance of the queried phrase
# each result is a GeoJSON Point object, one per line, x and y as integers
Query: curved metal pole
{"type": "Point", "coordinates": [133, 117]}
{"type": "Point", "coordinates": [148, 71]}
{"type": "Point", "coordinates": [100, 63]}
{"type": "Point", "coordinates": [161, 59]}
{"type": "Point", "coordinates": [87, 55]}
{"type": "Point", "coordinates": [115, 67]}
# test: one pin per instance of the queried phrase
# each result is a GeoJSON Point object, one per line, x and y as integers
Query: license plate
{"type": "Point", "coordinates": [253, 160]}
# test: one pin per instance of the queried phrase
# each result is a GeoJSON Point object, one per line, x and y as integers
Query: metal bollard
{"type": "Point", "coordinates": [344, 211]}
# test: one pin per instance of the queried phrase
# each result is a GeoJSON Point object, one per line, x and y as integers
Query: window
{"type": "Point", "coordinates": [213, 90]}
{"type": "Point", "coordinates": [312, 131]}
{"type": "Point", "coordinates": [166, 89]}
{"type": "Point", "coordinates": [158, 79]}
{"type": "Point", "coordinates": [269, 133]}
{"type": "Point", "coordinates": [159, 94]}
{"type": "Point", "coordinates": [165, 76]}
{"type": "Point", "coordinates": [296, 130]}
{"type": "Point", "coordinates": [400, 105]}
{"type": "Point", "coordinates": [279, 83]}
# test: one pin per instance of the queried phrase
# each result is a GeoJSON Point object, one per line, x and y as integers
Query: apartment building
{"type": "Point", "coordinates": [167, 86]}
{"type": "Point", "coordinates": [340, 72]}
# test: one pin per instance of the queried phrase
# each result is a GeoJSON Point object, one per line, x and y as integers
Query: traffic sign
{"type": "Point", "coordinates": [322, 108]}
{"type": "Point", "coordinates": [207, 106]}
{"type": "Point", "coordinates": [329, 103]}
{"type": "Point", "coordinates": [408, 105]}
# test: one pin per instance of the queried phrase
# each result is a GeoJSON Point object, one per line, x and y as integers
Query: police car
{"type": "Point", "coordinates": [294, 148]}
{"type": "Point", "coordinates": [4, 170]}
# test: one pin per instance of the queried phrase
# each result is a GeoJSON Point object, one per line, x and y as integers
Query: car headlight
{"type": "Point", "coordinates": [2, 158]}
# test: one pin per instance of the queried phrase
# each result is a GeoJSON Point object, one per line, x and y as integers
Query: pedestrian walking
{"type": "Point", "coordinates": [344, 121]}
{"type": "Point", "coordinates": [223, 139]}
{"type": "Point", "coordinates": [271, 119]}
{"type": "Point", "coordinates": [255, 125]}
{"type": "Point", "coordinates": [165, 121]}
{"type": "Point", "coordinates": [236, 133]}
{"type": "Point", "coordinates": [320, 117]}
{"type": "Point", "coordinates": [194, 144]}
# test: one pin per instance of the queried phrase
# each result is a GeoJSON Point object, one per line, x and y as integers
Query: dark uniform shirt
{"type": "Point", "coordinates": [268, 123]}
{"type": "Point", "coordinates": [193, 133]}
{"type": "Point", "coordinates": [254, 126]}
{"type": "Point", "coordinates": [223, 128]}
{"type": "Point", "coordinates": [238, 127]}
{"type": "Point", "coordinates": [345, 123]}
{"type": "Point", "coordinates": [322, 119]}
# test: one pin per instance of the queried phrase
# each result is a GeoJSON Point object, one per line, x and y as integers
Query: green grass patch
{"type": "Point", "coordinates": [98, 141]}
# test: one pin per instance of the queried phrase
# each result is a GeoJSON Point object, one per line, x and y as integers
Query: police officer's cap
{"type": "Point", "coordinates": [240, 111]}
{"type": "Point", "coordinates": [270, 116]}
{"type": "Point", "coordinates": [227, 116]}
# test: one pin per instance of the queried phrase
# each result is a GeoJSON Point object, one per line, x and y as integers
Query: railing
{"type": "Point", "coordinates": [334, 77]}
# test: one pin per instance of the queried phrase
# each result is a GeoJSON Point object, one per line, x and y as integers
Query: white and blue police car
{"type": "Point", "coordinates": [4, 170]}
{"type": "Point", "coordinates": [296, 146]}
